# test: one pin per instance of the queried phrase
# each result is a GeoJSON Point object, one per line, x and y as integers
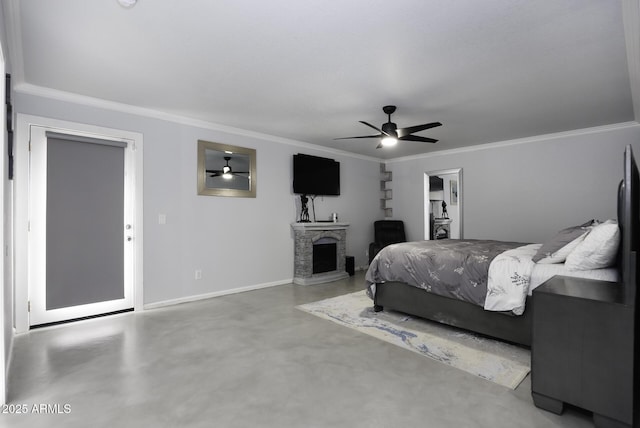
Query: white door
{"type": "Point", "coordinates": [80, 225]}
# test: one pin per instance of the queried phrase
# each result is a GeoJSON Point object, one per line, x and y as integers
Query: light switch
{"type": "Point", "coordinates": [162, 219]}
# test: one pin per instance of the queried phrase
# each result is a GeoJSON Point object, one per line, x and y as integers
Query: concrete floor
{"type": "Point", "coordinates": [248, 360]}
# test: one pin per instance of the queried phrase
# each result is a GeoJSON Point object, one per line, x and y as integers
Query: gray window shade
{"type": "Point", "coordinates": [82, 139]}
{"type": "Point", "coordinates": [85, 221]}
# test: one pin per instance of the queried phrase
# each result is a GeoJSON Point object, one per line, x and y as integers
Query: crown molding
{"type": "Point", "coordinates": [39, 91]}
{"type": "Point", "coordinates": [526, 140]}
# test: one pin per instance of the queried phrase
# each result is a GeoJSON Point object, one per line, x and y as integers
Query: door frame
{"type": "Point", "coordinates": [426, 203]}
{"type": "Point", "coordinates": [22, 196]}
{"type": "Point", "coordinates": [39, 251]}
{"type": "Point", "coordinates": [6, 339]}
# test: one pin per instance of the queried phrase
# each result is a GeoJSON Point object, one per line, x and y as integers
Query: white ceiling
{"type": "Point", "coordinates": [309, 70]}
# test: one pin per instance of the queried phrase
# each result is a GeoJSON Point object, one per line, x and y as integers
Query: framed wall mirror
{"type": "Point", "coordinates": [225, 170]}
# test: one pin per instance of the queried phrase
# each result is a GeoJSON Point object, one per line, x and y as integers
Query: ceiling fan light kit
{"type": "Point", "coordinates": [226, 172]}
{"type": "Point", "coordinates": [390, 134]}
{"type": "Point", "coordinates": [127, 3]}
{"type": "Point", "coordinates": [389, 141]}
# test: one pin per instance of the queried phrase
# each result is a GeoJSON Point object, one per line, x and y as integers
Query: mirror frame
{"type": "Point", "coordinates": [202, 174]}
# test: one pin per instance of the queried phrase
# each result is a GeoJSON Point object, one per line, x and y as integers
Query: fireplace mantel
{"type": "Point", "coordinates": [305, 235]}
{"type": "Point", "coordinates": [321, 225]}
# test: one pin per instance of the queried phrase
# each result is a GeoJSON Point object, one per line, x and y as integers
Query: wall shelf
{"type": "Point", "coordinates": [386, 195]}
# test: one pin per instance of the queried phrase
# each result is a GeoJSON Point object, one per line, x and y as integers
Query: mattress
{"type": "Point", "coordinates": [495, 275]}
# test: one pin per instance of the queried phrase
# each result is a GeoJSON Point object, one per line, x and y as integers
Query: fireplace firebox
{"type": "Point", "coordinates": [325, 257]}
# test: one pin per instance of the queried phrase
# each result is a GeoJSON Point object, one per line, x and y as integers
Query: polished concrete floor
{"type": "Point", "coordinates": [248, 360]}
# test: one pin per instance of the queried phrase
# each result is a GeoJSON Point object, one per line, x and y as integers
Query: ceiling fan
{"type": "Point", "coordinates": [226, 172]}
{"type": "Point", "coordinates": [390, 133]}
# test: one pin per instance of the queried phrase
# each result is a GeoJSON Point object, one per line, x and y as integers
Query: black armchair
{"type": "Point", "coordinates": [386, 232]}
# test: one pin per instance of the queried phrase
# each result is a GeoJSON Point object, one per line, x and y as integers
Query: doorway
{"type": "Point", "coordinates": [84, 230]}
{"type": "Point", "coordinates": [443, 204]}
{"type": "Point", "coordinates": [80, 228]}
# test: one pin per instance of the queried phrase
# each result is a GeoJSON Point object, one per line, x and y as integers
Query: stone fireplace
{"type": "Point", "coordinates": [320, 251]}
{"type": "Point", "coordinates": [441, 228]}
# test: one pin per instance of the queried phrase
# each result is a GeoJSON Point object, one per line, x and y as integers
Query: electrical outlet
{"type": "Point", "coordinates": [198, 274]}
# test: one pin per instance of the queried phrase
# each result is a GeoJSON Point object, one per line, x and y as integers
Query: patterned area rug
{"type": "Point", "coordinates": [499, 362]}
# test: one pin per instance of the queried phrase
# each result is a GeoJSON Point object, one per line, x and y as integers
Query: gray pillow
{"type": "Point", "coordinates": [558, 242]}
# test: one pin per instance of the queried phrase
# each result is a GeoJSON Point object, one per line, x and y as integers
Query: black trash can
{"type": "Point", "coordinates": [350, 265]}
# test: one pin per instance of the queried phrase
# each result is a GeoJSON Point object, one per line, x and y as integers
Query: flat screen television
{"type": "Point", "coordinates": [313, 175]}
{"type": "Point", "coordinates": [628, 221]}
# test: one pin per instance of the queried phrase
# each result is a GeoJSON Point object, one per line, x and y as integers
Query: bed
{"type": "Point", "coordinates": [485, 285]}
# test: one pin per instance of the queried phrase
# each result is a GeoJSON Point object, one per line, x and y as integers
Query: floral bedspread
{"type": "Point", "coordinates": [456, 268]}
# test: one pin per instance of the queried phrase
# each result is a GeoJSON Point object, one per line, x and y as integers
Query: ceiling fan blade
{"type": "Point", "coordinates": [413, 129]}
{"type": "Point", "coordinates": [417, 138]}
{"type": "Point", "coordinates": [363, 136]}
{"type": "Point", "coordinates": [374, 127]}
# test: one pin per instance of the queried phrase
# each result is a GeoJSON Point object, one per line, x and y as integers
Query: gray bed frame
{"type": "Point", "coordinates": [398, 296]}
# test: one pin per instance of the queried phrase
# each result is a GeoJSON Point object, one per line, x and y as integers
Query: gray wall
{"type": "Point", "coordinates": [523, 192]}
{"type": "Point", "coordinates": [256, 232]}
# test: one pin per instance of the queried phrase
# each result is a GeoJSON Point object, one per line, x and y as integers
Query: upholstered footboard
{"type": "Point", "coordinates": [416, 301]}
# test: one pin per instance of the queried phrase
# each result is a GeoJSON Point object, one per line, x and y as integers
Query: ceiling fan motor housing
{"type": "Point", "coordinates": [390, 129]}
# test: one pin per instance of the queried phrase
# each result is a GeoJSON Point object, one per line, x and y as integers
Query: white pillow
{"type": "Point", "coordinates": [560, 255]}
{"type": "Point", "coordinates": [558, 248]}
{"type": "Point", "coordinates": [598, 249]}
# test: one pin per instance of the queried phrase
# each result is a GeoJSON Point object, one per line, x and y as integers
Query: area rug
{"type": "Point", "coordinates": [496, 361]}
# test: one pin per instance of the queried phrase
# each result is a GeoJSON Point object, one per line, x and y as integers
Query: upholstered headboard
{"type": "Point", "coordinates": [628, 203]}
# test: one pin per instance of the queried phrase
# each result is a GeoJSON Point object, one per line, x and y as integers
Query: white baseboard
{"type": "Point", "coordinates": [196, 297]}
